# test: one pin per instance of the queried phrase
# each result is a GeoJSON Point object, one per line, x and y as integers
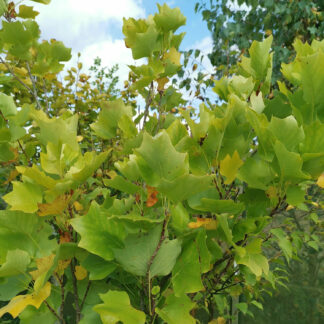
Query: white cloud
{"type": "Point", "coordinates": [79, 23]}
{"type": "Point", "coordinates": [89, 27]}
{"type": "Point", "coordinates": [111, 52]}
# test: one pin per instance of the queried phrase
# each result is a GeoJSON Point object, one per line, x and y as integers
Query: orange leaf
{"type": "Point", "coordinates": [207, 223]}
{"type": "Point", "coordinates": [151, 196]}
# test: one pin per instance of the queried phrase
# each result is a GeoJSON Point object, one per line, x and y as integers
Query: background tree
{"type": "Point", "coordinates": [234, 24]}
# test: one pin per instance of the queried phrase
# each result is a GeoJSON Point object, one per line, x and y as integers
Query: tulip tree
{"type": "Point", "coordinates": [156, 214]}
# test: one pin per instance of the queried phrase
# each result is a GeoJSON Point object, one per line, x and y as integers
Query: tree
{"type": "Point", "coordinates": [233, 28]}
{"type": "Point", "coordinates": [120, 214]}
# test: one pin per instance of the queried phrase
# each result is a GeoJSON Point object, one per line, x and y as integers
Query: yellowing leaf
{"type": "Point", "coordinates": [173, 55]}
{"type": "Point", "coordinates": [80, 273]}
{"type": "Point", "coordinates": [54, 208]}
{"type": "Point", "coordinates": [20, 302]}
{"type": "Point", "coordinates": [161, 83]}
{"type": "Point", "coordinates": [320, 181]}
{"type": "Point", "coordinates": [289, 207]}
{"type": "Point", "coordinates": [43, 266]}
{"type": "Point", "coordinates": [62, 265]}
{"type": "Point", "coordinates": [77, 206]}
{"type": "Point", "coordinates": [229, 167]}
{"type": "Point", "coordinates": [207, 223]}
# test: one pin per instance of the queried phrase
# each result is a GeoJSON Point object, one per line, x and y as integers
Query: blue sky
{"type": "Point", "coordinates": [94, 27]}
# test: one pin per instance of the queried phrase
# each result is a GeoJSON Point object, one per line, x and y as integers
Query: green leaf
{"type": "Point", "coordinates": [117, 307]}
{"type": "Point", "coordinates": [176, 310]}
{"type": "Point", "coordinates": [139, 249]}
{"type": "Point", "coordinates": [160, 158]}
{"type": "Point", "coordinates": [223, 224]}
{"type": "Point", "coordinates": [7, 105]}
{"type": "Point", "coordinates": [290, 163]}
{"type": "Point", "coordinates": [256, 172]}
{"type": "Point", "coordinates": [186, 274]}
{"type": "Point", "coordinates": [283, 242]}
{"type": "Point", "coordinates": [257, 263]}
{"type": "Point", "coordinates": [99, 234]}
{"type": "Point", "coordinates": [16, 263]}
{"type": "Point", "coordinates": [26, 232]}
{"type": "Point", "coordinates": [312, 80]}
{"type": "Point", "coordinates": [259, 53]}
{"type": "Point", "coordinates": [184, 187]}
{"type": "Point", "coordinates": [110, 115]}
{"type": "Point", "coordinates": [49, 56]}
{"type": "Point", "coordinates": [27, 12]}
{"type": "Point", "coordinates": [97, 267]}
{"type": "Point", "coordinates": [146, 43]}
{"type": "Point", "coordinates": [169, 19]}
{"type": "Point", "coordinates": [287, 131]}
{"type": "Point", "coordinates": [121, 184]}
{"type": "Point", "coordinates": [179, 218]}
{"type": "Point", "coordinates": [12, 286]}
{"type": "Point", "coordinates": [295, 195]}
{"type": "Point", "coordinates": [220, 206]}
{"type": "Point", "coordinates": [57, 130]}
{"type": "Point", "coordinates": [19, 36]}
{"type": "Point", "coordinates": [25, 197]}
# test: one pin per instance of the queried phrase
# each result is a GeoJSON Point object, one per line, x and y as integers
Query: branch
{"type": "Point", "coordinates": [147, 104]}
{"type": "Point", "coordinates": [53, 311]}
{"type": "Point", "coordinates": [85, 294]}
{"type": "Point", "coordinates": [75, 291]}
{"type": "Point", "coordinates": [15, 76]}
{"type": "Point", "coordinates": [34, 86]}
{"type": "Point", "coordinates": [162, 238]}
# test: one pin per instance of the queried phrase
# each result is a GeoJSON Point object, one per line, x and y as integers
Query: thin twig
{"type": "Point", "coordinates": [149, 264]}
{"type": "Point", "coordinates": [75, 291]}
{"type": "Point", "coordinates": [15, 76]}
{"type": "Point", "coordinates": [24, 152]}
{"type": "Point", "coordinates": [34, 86]}
{"type": "Point", "coordinates": [53, 311]}
{"type": "Point", "coordinates": [148, 102]}
{"type": "Point", "coordinates": [85, 294]}
{"type": "Point", "coordinates": [46, 96]}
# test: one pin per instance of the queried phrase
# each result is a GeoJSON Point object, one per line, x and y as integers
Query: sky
{"type": "Point", "coordinates": [94, 28]}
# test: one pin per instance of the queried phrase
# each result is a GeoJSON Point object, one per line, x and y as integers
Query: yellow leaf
{"type": "Point", "coordinates": [173, 55]}
{"type": "Point", "coordinates": [320, 181]}
{"type": "Point", "coordinates": [289, 207]}
{"type": "Point", "coordinates": [79, 138]}
{"type": "Point", "coordinates": [80, 273]}
{"type": "Point", "coordinates": [229, 167]}
{"type": "Point", "coordinates": [43, 266]}
{"type": "Point", "coordinates": [207, 223]}
{"type": "Point", "coordinates": [20, 302]}
{"type": "Point", "coordinates": [62, 265]}
{"type": "Point", "coordinates": [161, 83]}
{"type": "Point", "coordinates": [77, 206]}
{"type": "Point", "coordinates": [54, 208]}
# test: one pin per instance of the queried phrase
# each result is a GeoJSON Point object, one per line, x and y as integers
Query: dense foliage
{"type": "Point", "coordinates": [160, 214]}
{"type": "Point", "coordinates": [234, 24]}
